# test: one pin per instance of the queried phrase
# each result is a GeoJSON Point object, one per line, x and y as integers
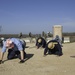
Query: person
{"type": "Point", "coordinates": [40, 42]}
{"type": "Point", "coordinates": [15, 48]}
{"type": "Point", "coordinates": [59, 40]}
{"type": "Point", "coordinates": [53, 47]}
{"type": "Point", "coordinates": [20, 35]}
{"type": "Point", "coordinates": [2, 39]}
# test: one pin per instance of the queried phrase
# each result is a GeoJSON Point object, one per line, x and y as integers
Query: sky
{"type": "Point", "coordinates": [36, 16]}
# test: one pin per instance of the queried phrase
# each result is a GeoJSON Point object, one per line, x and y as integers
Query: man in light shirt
{"type": "Point", "coordinates": [15, 48]}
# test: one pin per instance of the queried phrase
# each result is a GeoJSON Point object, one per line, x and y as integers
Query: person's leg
{"type": "Point", "coordinates": [44, 45]}
{"type": "Point", "coordinates": [24, 54]}
{"type": "Point", "coordinates": [19, 55]}
{"type": "Point", "coordinates": [49, 52]}
{"type": "Point", "coordinates": [24, 45]}
{"type": "Point", "coordinates": [59, 50]}
{"type": "Point", "coordinates": [11, 54]}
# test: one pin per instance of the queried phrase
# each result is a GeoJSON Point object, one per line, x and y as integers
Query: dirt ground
{"type": "Point", "coordinates": [36, 64]}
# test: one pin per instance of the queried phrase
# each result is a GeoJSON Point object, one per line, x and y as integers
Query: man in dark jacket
{"type": "Point", "coordinates": [40, 42]}
{"type": "Point", "coordinates": [53, 47]}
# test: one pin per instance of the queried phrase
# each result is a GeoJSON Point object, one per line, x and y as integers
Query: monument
{"type": "Point", "coordinates": [57, 30]}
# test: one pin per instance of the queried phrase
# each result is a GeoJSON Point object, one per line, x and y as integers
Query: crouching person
{"type": "Point", "coordinates": [40, 42]}
{"type": "Point", "coordinates": [53, 47]}
{"type": "Point", "coordinates": [15, 48]}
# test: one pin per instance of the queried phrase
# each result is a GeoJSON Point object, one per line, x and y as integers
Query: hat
{"type": "Point", "coordinates": [39, 40]}
{"type": "Point", "coordinates": [51, 45]}
{"type": "Point", "coordinates": [9, 43]}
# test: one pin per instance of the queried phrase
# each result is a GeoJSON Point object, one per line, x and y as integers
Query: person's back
{"type": "Point", "coordinates": [41, 42]}
{"type": "Point", "coordinates": [53, 47]}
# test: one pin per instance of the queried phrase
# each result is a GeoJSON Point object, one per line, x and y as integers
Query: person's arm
{"type": "Point", "coordinates": [2, 53]}
{"type": "Point", "coordinates": [45, 50]}
{"type": "Point", "coordinates": [22, 55]}
{"type": "Point", "coordinates": [20, 48]}
{"type": "Point", "coordinates": [43, 43]}
{"type": "Point", "coordinates": [36, 44]}
{"type": "Point", "coordinates": [1, 57]}
{"type": "Point", "coordinates": [59, 50]}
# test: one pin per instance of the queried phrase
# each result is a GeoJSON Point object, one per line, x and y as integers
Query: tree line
{"type": "Point", "coordinates": [43, 34]}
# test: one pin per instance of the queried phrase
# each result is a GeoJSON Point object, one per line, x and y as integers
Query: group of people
{"type": "Point", "coordinates": [16, 48]}
{"type": "Point", "coordinates": [52, 47]}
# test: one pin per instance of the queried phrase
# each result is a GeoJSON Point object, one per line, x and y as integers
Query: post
{"type": "Point", "coordinates": [57, 30]}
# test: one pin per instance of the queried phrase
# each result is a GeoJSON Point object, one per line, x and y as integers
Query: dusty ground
{"type": "Point", "coordinates": [36, 64]}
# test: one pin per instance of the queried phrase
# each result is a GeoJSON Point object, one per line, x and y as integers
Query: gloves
{"type": "Point", "coordinates": [21, 61]}
{"type": "Point", "coordinates": [0, 61]}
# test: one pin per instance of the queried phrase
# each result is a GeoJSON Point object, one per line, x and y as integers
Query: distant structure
{"type": "Point", "coordinates": [57, 30]}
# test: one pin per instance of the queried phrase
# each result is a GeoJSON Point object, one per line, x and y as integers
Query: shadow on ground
{"type": "Point", "coordinates": [28, 56]}
{"type": "Point", "coordinates": [72, 56]}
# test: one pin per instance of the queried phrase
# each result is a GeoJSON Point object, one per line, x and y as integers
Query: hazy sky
{"type": "Point", "coordinates": [36, 15]}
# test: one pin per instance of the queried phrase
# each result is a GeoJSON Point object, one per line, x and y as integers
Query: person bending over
{"type": "Point", "coordinates": [40, 42]}
{"type": "Point", "coordinates": [15, 48]}
{"type": "Point", "coordinates": [53, 47]}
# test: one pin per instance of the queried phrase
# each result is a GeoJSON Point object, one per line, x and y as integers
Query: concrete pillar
{"type": "Point", "coordinates": [57, 30]}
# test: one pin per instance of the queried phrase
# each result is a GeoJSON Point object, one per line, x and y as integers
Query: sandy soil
{"type": "Point", "coordinates": [36, 64]}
